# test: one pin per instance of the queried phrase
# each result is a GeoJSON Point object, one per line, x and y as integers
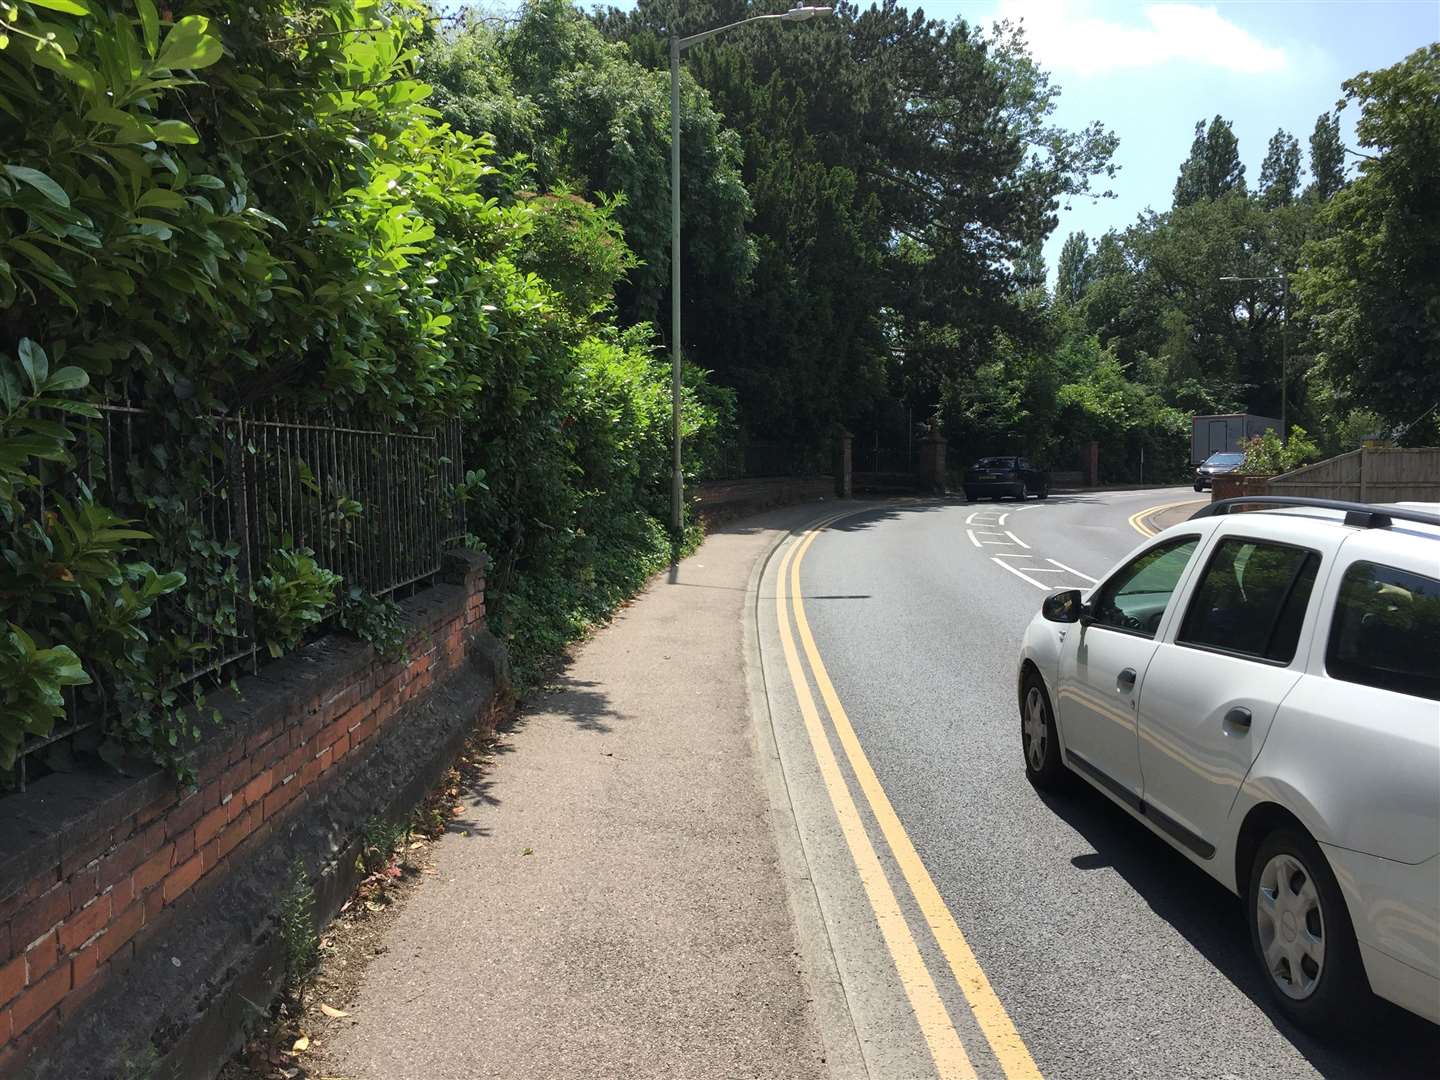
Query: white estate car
{"type": "Point", "coordinates": [1263, 691]}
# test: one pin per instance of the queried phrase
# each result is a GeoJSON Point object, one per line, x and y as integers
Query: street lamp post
{"type": "Point", "coordinates": [678, 45]}
{"type": "Point", "coordinates": [1284, 342]}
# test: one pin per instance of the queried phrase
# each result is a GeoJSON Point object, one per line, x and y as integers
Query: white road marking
{"type": "Point", "coordinates": [971, 533]}
{"type": "Point", "coordinates": [1072, 570]}
{"type": "Point", "coordinates": [999, 543]}
{"type": "Point", "coordinates": [1011, 555]}
{"type": "Point", "coordinates": [971, 519]}
{"type": "Point", "coordinates": [1043, 569]}
{"type": "Point", "coordinates": [1003, 517]}
{"type": "Point", "coordinates": [1022, 577]}
{"type": "Point", "coordinates": [1017, 540]}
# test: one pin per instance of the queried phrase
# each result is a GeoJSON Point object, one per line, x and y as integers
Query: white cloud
{"type": "Point", "coordinates": [1065, 35]}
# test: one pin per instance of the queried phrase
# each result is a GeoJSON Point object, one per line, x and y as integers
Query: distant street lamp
{"type": "Point", "coordinates": [677, 44]}
{"type": "Point", "coordinates": [1284, 279]}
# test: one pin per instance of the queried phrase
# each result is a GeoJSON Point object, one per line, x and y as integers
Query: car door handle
{"type": "Point", "coordinates": [1239, 717]}
{"type": "Point", "coordinates": [1125, 681]}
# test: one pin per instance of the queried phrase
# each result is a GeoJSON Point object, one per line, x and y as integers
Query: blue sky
{"type": "Point", "coordinates": [1150, 70]}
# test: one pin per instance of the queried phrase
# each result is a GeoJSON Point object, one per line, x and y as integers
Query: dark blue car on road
{"type": "Point", "coordinates": [996, 477]}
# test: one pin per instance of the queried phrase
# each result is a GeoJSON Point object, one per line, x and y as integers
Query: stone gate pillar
{"type": "Point", "coordinates": [930, 469]}
{"type": "Point", "coordinates": [844, 482]}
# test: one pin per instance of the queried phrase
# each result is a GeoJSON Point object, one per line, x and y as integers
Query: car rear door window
{"type": "Point", "coordinates": [1386, 630]}
{"type": "Point", "coordinates": [1135, 597]}
{"type": "Point", "coordinates": [1251, 600]}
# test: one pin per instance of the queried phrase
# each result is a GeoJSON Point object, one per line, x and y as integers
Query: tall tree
{"type": "Point", "coordinates": [1280, 172]}
{"type": "Point", "coordinates": [1076, 268]}
{"type": "Point", "coordinates": [1327, 157]}
{"type": "Point", "coordinates": [1372, 282]}
{"type": "Point", "coordinates": [1030, 269]}
{"type": "Point", "coordinates": [900, 167]}
{"type": "Point", "coordinates": [590, 118]}
{"type": "Point", "coordinates": [1213, 168]}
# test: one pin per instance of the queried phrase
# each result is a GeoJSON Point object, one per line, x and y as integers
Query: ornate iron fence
{"type": "Point", "coordinates": [377, 507]}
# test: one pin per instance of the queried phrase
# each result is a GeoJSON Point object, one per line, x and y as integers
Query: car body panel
{"type": "Point", "coordinates": [1408, 987]}
{"type": "Point", "coordinates": [1369, 767]}
{"type": "Point", "coordinates": [1395, 908]}
{"type": "Point", "coordinates": [1100, 720]}
{"type": "Point", "coordinates": [1192, 758]}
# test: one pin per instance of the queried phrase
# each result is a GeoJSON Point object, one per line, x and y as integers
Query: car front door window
{"type": "Point", "coordinates": [1135, 598]}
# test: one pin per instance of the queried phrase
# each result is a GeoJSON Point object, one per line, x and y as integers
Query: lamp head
{"type": "Point", "coordinates": [800, 13]}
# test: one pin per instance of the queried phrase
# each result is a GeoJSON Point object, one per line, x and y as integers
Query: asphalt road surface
{"type": "Point", "coordinates": [979, 929]}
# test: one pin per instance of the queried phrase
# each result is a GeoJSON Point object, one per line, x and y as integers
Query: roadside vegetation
{"type": "Point", "coordinates": [234, 206]}
{"type": "Point", "coordinates": [904, 173]}
{"type": "Point", "coordinates": [398, 221]}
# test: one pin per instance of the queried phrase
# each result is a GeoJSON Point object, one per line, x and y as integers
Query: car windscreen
{"type": "Point", "coordinates": [994, 463]}
{"type": "Point", "coordinates": [1224, 459]}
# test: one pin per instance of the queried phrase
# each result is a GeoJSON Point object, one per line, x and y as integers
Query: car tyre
{"type": "Point", "coordinates": [1044, 492]}
{"type": "Point", "coordinates": [1039, 742]}
{"type": "Point", "coordinates": [971, 496]}
{"type": "Point", "coordinates": [1199, 486]}
{"type": "Point", "coordinates": [1302, 934]}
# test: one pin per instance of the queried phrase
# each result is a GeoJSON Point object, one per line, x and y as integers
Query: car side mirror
{"type": "Point", "coordinates": [1064, 607]}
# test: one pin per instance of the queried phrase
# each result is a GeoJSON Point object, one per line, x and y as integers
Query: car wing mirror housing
{"type": "Point", "coordinates": [1064, 607]}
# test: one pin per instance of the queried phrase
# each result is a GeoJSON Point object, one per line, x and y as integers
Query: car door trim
{"type": "Point", "coordinates": [1105, 780]}
{"type": "Point", "coordinates": [1163, 821]}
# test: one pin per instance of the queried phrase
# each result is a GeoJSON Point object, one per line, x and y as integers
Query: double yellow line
{"type": "Point", "coordinates": [1140, 521]}
{"type": "Point", "coordinates": [946, 1048]}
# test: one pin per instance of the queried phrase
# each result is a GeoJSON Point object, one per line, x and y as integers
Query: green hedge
{"type": "Point", "coordinates": [238, 205]}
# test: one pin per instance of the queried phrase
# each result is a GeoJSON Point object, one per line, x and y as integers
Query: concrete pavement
{"type": "Point", "coordinates": [623, 905]}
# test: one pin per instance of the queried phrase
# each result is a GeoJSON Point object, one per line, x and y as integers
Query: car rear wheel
{"type": "Point", "coordinates": [1302, 934]}
{"type": "Point", "coordinates": [1043, 767]}
{"type": "Point", "coordinates": [1199, 486]}
{"type": "Point", "coordinates": [1044, 492]}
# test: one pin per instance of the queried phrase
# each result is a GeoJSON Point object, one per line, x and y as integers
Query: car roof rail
{"type": "Point", "coordinates": [1363, 515]}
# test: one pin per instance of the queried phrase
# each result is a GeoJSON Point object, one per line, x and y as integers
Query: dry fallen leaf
{"type": "Point", "coordinates": [332, 1012]}
{"type": "Point", "coordinates": [301, 1045]}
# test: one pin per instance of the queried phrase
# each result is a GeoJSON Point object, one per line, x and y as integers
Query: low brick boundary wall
{"type": "Point", "coordinates": [1235, 486]}
{"type": "Point", "coordinates": [99, 872]}
{"type": "Point", "coordinates": [721, 501]}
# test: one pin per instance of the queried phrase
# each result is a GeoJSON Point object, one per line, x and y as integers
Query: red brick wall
{"type": "Point", "coordinates": [68, 928]}
{"type": "Point", "coordinates": [1234, 486]}
{"type": "Point", "coordinates": [721, 501]}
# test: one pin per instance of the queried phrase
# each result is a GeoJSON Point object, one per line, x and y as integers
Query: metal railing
{"type": "Point", "coordinates": [377, 507]}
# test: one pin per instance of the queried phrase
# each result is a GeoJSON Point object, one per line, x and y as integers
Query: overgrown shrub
{"type": "Point", "coordinates": [1267, 455]}
{"type": "Point", "coordinates": [291, 598]}
{"type": "Point", "coordinates": [242, 205]}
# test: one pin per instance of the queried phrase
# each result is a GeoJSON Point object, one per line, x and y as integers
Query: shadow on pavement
{"type": "Point", "coordinates": [1392, 1044]}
